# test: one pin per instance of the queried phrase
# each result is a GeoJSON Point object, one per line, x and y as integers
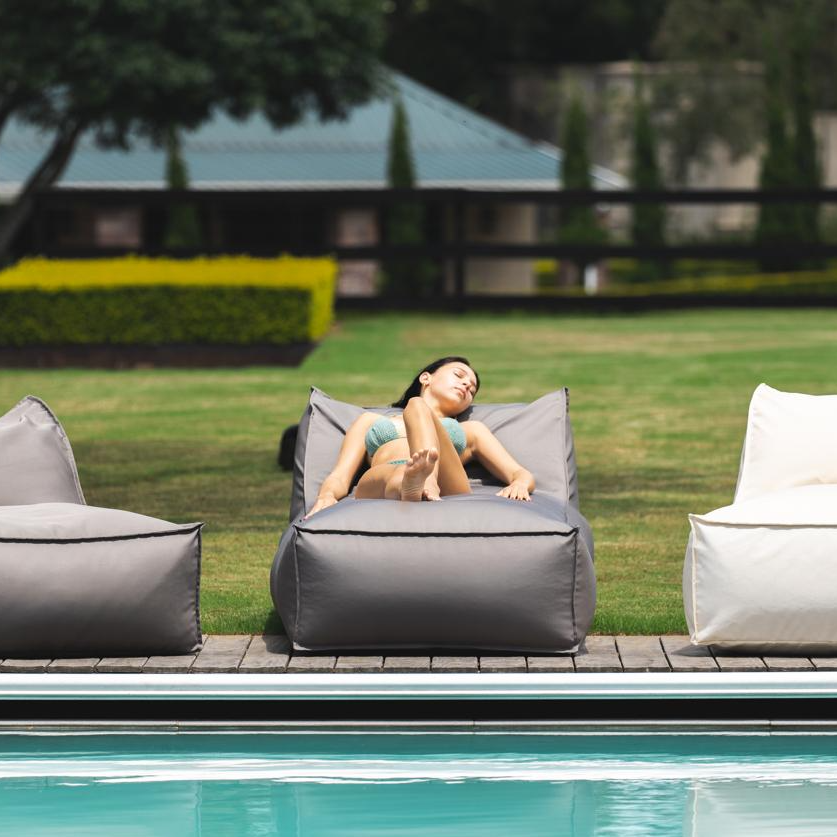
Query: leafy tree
{"type": "Point", "coordinates": [125, 68]}
{"type": "Point", "coordinates": [648, 219]}
{"type": "Point", "coordinates": [716, 53]}
{"type": "Point", "coordinates": [183, 227]}
{"type": "Point", "coordinates": [474, 42]}
{"type": "Point", "coordinates": [405, 219]}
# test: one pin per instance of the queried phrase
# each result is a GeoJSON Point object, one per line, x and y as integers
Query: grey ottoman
{"type": "Point", "coordinates": [76, 580]}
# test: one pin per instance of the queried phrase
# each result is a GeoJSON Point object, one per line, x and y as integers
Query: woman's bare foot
{"type": "Point", "coordinates": [417, 470]}
{"type": "Point", "coordinates": [431, 489]}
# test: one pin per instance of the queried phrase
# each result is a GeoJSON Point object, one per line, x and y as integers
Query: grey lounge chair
{"type": "Point", "coordinates": [76, 580]}
{"type": "Point", "coordinates": [473, 571]}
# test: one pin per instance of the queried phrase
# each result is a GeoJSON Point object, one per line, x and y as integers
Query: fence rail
{"type": "Point", "coordinates": [456, 249]}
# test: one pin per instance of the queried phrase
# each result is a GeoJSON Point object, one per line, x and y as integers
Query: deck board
{"type": "Point", "coordinates": [683, 656]}
{"type": "Point", "coordinates": [355, 664]}
{"type": "Point", "coordinates": [273, 654]}
{"type": "Point", "coordinates": [266, 654]}
{"type": "Point", "coordinates": [498, 665]}
{"type": "Point", "coordinates": [221, 654]}
{"type": "Point", "coordinates": [641, 653]}
{"type": "Point", "coordinates": [598, 654]}
{"type": "Point", "coordinates": [454, 664]}
{"type": "Point", "coordinates": [406, 664]}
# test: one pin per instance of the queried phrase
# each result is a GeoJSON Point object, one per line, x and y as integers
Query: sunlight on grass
{"type": "Point", "coordinates": [658, 404]}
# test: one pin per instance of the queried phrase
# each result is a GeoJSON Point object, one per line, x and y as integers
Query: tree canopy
{"type": "Point", "coordinates": [124, 68]}
{"type": "Point", "coordinates": [717, 53]}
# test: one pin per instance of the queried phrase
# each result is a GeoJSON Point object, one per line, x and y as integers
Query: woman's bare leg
{"type": "Point", "coordinates": [397, 482]}
{"type": "Point", "coordinates": [374, 483]}
{"type": "Point", "coordinates": [425, 431]}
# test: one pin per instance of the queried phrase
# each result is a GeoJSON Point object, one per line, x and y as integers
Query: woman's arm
{"type": "Point", "coordinates": [491, 453]}
{"type": "Point", "coordinates": [337, 484]}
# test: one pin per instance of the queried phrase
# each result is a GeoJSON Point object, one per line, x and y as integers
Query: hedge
{"type": "Point", "coordinates": [139, 301]}
{"type": "Point", "coordinates": [812, 282]}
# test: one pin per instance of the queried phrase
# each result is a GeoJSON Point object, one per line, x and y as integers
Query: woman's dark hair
{"type": "Point", "coordinates": [415, 387]}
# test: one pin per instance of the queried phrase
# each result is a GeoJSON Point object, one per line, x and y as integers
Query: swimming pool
{"type": "Point", "coordinates": [366, 782]}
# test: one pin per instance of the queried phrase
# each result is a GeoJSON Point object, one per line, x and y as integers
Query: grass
{"type": "Point", "coordinates": [658, 403]}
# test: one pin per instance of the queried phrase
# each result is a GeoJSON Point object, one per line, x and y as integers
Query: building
{"type": "Point", "coordinates": [453, 147]}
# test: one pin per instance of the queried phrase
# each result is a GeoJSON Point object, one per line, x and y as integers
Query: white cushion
{"type": "Point", "coordinates": [791, 440]}
{"type": "Point", "coordinates": [764, 572]}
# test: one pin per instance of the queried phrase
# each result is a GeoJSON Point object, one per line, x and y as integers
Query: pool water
{"type": "Point", "coordinates": [305, 784]}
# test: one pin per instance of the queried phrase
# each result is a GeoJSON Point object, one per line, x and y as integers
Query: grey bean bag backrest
{"type": "Point", "coordinates": [538, 435]}
{"type": "Point", "coordinates": [36, 460]}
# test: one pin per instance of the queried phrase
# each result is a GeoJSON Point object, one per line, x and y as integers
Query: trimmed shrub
{"type": "Point", "coordinates": [138, 301]}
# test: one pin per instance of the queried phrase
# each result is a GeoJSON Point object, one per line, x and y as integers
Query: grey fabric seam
{"type": "Point", "coordinates": [185, 531]}
{"type": "Point", "coordinates": [469, 535]}
{"type": "Point", "coordinates": [198, 556]}
{"type": "Point", "coordinates": [575, 589]}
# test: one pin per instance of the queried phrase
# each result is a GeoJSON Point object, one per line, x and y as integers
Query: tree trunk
{"type": "Point", "coordinates": [48, 171]}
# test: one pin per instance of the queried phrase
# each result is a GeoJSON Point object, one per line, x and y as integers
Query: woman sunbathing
{"type": "Point", "coordinates": [421, 454]}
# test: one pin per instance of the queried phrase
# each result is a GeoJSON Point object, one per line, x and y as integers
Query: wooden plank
{"type": "Point", "coordinates": [683, 656]}
{"type": "Point", "coordinates": [730, 662]}
{"type": "Point", "coordinates": [501, 664]}
{"type": "Point", "coordinates": [357, 663]}
{"type": "Point", "coordinates": [174, 664]}
{"type": "Point", "coordinates": [641, 653]}
{"type": "Point", "coordinates": [267, 654]}
{"type": "Point", "coordinates": [788, 663]}
{"type": "Point", "coordinates": [12, 666]}
{"type": "Point", "coordinates": [598, 653]}
{"type": "Point", "coordinates": [453, 664]}
{"type": "Point", "coordinates": [554, 662]}
{"type": "Point", "coordinates": [73, 666]}
{"type": "Point", "coordinates": [221, 654]}
{"type": "Point", "coordinates": [302, 663]}
{"type": "Point", "coordinates": [406, 664]}
{"type": "Point", "coordinates": [121, 665]}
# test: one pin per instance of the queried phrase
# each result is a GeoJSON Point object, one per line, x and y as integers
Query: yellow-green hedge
{"type": "Point", "coordinates": [136, 300]}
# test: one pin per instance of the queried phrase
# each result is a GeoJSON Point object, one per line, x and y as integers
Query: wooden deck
{"type": "Point", "coordinates": [273, 655]}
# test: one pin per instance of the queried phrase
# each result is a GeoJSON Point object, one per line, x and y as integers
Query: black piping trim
{"type": "Point", "coordinates": [190, 530]}
{"type": "Point", "coordinates": [438, 534]}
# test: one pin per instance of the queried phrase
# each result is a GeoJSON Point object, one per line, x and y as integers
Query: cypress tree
{"type": "Point", "coordinates": [182, 228]}
{"type": "Point", "coordinates": [405, 220]}
{"type": "Point", "coordinates": [807, 170]}
{"type": "Point", "coordinates": [578, 223]}
{"type": "Point", "coordinates": [648, 219]}
{"type": "Point", "coordinates": [777, 223]}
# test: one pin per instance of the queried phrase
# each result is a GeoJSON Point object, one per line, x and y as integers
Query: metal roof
{"type": "Point", "coordinates": [452, 147]}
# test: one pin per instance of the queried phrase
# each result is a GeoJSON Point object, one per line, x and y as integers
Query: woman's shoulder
{"type": "Point", "coordinates": [368, 418]}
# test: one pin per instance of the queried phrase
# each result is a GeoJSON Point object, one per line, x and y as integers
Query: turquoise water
{"type": "Point", "coordinates": [300, 785]}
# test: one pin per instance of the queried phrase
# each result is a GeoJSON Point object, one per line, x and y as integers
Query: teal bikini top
{"type": "Point", "coordinates": [384, 430]}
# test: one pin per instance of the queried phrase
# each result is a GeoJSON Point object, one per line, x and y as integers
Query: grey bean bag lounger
{"type": "Point", "coordinates": [76, 580]}
{"type": "Point", "coordinates": [473, 571]}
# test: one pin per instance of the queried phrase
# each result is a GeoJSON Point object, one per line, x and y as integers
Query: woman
{"type": "Point", "coordinates": [421, 454]}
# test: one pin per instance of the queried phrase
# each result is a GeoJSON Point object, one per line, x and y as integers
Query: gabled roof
{"type": "Point", "coordinates": [452, 147]}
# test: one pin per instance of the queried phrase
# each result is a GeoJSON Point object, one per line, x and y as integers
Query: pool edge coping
{"type": "Point", "coordinates": [421, 686]}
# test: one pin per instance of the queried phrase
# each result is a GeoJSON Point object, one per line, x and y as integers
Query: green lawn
{"type": "Point", "coordinates": [658, 404]}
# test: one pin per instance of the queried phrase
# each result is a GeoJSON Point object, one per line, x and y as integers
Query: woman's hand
{"type": "Point", "coordinates": [322, 503]}
{"type": "Point", "coordinates": [515, 491]}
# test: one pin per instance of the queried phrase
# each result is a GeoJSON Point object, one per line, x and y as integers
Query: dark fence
{"type": "Point", "coordinates": [454, 247]}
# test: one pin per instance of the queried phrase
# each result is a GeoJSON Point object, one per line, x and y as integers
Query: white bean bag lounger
{"type": "Point", "coordinates": [761, 574]}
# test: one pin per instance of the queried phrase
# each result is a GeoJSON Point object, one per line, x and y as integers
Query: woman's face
{"type": "Point", "coordinates": [453, 387]}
